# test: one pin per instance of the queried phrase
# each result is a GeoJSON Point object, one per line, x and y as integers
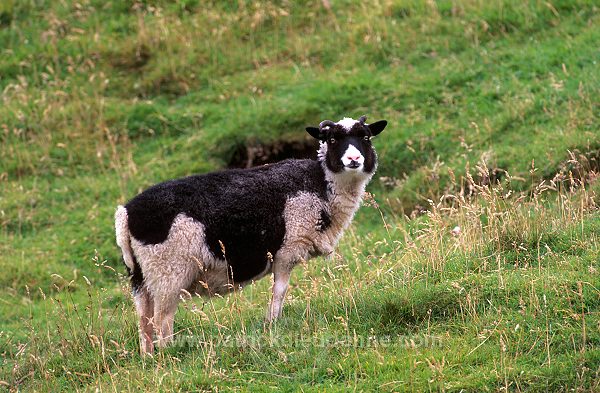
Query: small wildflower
{"type": "Point", "coordinates": [455, 231]}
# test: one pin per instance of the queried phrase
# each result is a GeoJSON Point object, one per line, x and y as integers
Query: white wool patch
{"type": "Point", "coordinates": [123, 237]}
{"type": "Point", "coordinates": [353, 154]}
{"type": "Point", "coordinates": [322, 152]}
{"type": "Point", "coordinates": [181, 261]}
{"type": "Point", "coordinates": [347, 123]}
{"type": "Point", "coordinates": [302, 239]}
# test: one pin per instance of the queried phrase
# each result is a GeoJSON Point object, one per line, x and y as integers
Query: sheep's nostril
{"type": "Point", "coordinates": [353, 158]}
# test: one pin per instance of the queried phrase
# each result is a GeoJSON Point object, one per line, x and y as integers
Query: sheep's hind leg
{"type": "Point", "coordinates": [145, 309]}
{"type": "Point", "coordinates": [165, 307]}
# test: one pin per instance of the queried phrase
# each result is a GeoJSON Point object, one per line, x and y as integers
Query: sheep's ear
{"type": "Point", "coordinates": [377, 127]}
{"type": "Point", "coordinates": [316, 133]}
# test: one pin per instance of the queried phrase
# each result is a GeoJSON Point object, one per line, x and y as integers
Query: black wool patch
{"type": "Point", "coordinates": [136, 276]}
{"type": "Point", "coordinates": [324, 221]}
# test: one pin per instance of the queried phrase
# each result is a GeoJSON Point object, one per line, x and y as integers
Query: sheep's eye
{"type": "Point", "coordinates": [367, 138]}
{"type": "Point", "coordinates": [332, 141]}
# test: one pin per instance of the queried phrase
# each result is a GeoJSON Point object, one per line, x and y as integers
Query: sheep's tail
{"type": "Point", "coordinates": [124, 238]}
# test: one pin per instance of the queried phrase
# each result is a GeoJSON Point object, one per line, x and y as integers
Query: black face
{"type": "Point", "coordinates": [349, 146]}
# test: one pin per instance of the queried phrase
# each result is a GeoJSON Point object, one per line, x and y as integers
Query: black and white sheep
{"type": "Point", "coordinates": [212, 233]}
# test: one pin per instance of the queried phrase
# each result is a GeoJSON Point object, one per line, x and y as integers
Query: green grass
{"type": "Point", "coordinates": [102, 99]}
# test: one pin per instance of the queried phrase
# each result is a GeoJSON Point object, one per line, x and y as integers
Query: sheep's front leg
{"type": "Point", "coordinates": [280, 286]}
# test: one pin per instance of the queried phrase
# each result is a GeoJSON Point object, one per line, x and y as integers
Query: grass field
{"type": "Point", "coordinates": [493, 109]}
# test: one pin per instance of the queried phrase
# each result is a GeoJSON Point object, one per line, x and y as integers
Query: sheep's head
{"type": "Point", "coordinates": [346, 145]}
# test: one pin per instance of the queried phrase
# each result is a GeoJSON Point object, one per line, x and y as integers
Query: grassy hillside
{"type": "Point", "coordinates": [493, 109]}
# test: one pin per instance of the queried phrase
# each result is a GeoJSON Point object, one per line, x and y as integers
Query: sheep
{"type": "Point", "coordinates": [214, 233]}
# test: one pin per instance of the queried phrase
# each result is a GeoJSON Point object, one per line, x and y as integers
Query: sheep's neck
{"type": "Point", "coordinates": [345, 196]}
